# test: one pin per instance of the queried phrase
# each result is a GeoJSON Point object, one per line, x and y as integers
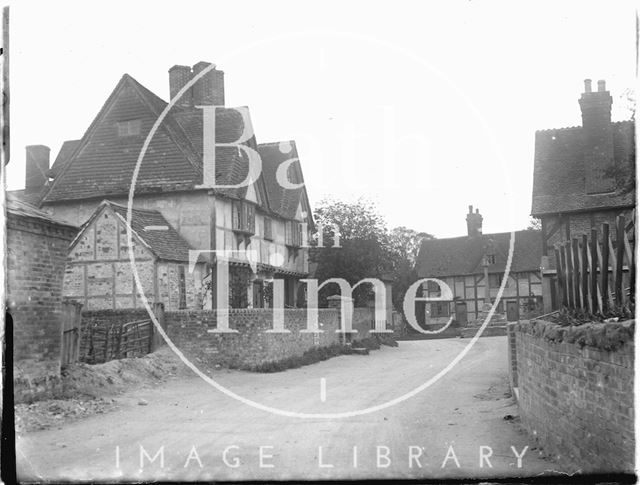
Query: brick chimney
{"type": "Point", "coordinates": [598, 138]}
{"type": "Point", "coordinates": [209, 89]}
{"type": "Point", "coordinates": [37, 169]}
{"type": "Point", "coordinates": [474, 222]}
{"type": "Point", "coordinates": [178, 77]}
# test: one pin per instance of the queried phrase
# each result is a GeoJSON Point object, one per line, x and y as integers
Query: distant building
{"type": "Point", "coordinates": [583, 176]}
{"type": "Point", "coordinates": [473, 266]}
{"type": "Point", "coordinates": [263, 216]}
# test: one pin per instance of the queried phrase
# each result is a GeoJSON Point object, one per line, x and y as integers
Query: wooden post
{"type": "Point", "coordinates": [576, 273]}
{"type": "Point", "coordinates": [560, 277]}
{"type": "Point", "coordinates": [567, 256]}
{"type": "Point", "coordinates": [619, 258]}
{"type": "Point", "coordinates": [594, 271]}
{"type": "Point", "coordinates": [584, 270]}
{"type": "Point", "coordinates": [156, 340]}
{"type": "Point", "coordinates": [604, 269]}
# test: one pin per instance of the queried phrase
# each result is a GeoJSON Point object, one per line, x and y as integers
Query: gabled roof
{"type": "Point", "coordinates": [459, 256]}
{"type": "Point", "coordinates": [284, 201]}
{"type": "Point", "coordinates": [560, 173]}
{"type": "Point", "coordinates": [150, 227]}
{"type": "Point", "coordinates": [102, 164]}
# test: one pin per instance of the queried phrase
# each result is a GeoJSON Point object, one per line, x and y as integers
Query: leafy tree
{"type": "Point", "coordinates": [534, 224]}
{"type": "Point", "coordinates": [368, 249]}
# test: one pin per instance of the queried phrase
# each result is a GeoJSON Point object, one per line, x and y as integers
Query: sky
{"type": "Point", "coordinates": [424, 108]}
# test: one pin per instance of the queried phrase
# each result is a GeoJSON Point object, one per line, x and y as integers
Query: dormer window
{"type": "Point", "coordinates": [244, 217]}
{"type": "Point", "coordinates": [128, 128]}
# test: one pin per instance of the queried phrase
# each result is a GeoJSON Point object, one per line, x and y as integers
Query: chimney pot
{"type": "Point", "coordinates": [37, 167]}
{"type": "Point", "coordinates": [179, 76]}
{"type": "Point", "coordinates": [601, 86]}
{"type": "Point", "coordinates": [474, 222]}
{"type": "Point", "coordinates": [209, 89]}
{"type": "Point", "coordinates": [587, 85]}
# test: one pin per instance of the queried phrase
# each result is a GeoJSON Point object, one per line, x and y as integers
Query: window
{"type": "Point", "coordinates": [243, 217]}
{"type": "Point", "coordinates": [433, 289]}
{"type": "Point", "coordinates": [439, 309]}
{"type": "Point", "coordinates": [268, 230]}
{"type": "Point", "coordinates": [495, 280]}
{"type": "Point", "coordinates": [128, 128]}
{"type": "Point", "coordinates": [491, 258]}
{"type": "Point", "coordinates": [293, 234]}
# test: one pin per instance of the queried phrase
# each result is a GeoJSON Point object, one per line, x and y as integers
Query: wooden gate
{"type": "Point", "coordinates": [71, 319]}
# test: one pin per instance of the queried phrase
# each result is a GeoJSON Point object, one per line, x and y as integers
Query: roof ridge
{"type": "Point", "coordinates": [134, 209]}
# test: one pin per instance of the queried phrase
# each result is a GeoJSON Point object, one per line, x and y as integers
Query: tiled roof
{"type": "Point", "coordinates": [29, 196]}
{"type": "Point", "coordinates": [102, 164]}
{"type": "Point", "coordinates": [560, 172]}
{"type": "Point", "coordinates": [284, 202]}
{"type": "Point", "coordinates": [152, 228]}
{"type": "Point", "coordinates": [66, 150]}
{"type": "Point", "coordinates": [20, 208]}
{"type": "Point", "coordinates": [463, 255]}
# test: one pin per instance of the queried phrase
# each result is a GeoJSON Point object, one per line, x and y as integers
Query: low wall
{"type": "Point", "coordinates": [575, 388]}
{"type": "Point", "coordinates": [252, 345]}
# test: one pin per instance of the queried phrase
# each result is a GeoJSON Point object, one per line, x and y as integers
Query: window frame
{"type": "Point", "coordinates": [129, 128]}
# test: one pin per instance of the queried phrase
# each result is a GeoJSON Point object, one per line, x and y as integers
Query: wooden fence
{"type": "Point", "coordinates": [597, 274]}
{"type": "Point", "coordinates": [117, 341]}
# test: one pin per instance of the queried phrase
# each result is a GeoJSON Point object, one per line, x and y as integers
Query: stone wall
{"type": "Point", "coordinates": [36, 253]}
{"type": "Point", "coordinates": [252, 345]}
{"type": "Point", "coordinates": [575, 387]}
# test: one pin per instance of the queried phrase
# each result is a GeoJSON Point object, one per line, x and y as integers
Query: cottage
{"type": "Point", "coordinates": [263, 217]}
{"type": "Point", "coordinates": [583, 176]}
{"type": "Point", "coordinates": [98, 272]}
{"type": "Point", "coordinates": [36, 252]}
{"type": "Point", "coordinates": [473, 266]}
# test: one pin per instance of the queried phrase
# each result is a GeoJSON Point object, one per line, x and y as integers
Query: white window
{"type": "Point", "coordinates": [129, 128]}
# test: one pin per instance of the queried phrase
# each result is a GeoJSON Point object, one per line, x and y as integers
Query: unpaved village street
{"type": "Point", "coordinates": [447, 424]}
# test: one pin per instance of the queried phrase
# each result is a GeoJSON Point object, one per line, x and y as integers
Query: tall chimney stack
{"type": "Point", "coordinates": [209, 89]}
{"type": "Point", "coordinates": [37, 167]}
{"type": "Point", "coordinates": [598, 139]}
{"type": "Point", "coordinates": [178, 77]}
{"type": "Point", "coordinates": [474, 222]}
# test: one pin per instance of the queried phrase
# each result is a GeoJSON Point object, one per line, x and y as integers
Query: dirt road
{"type": "Point", "coordinates": [195, 432]}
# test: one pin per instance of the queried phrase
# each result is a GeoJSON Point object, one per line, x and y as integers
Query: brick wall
{"type": "Point", "coordinates": [36, 253]}
{"type": "Point", "coordinates": [576, 391]}
{"type": "Point", "coordinates": [251, 345]}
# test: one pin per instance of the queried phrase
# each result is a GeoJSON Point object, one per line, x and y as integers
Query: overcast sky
{"type": "Point", "coordinates": [423, 107]}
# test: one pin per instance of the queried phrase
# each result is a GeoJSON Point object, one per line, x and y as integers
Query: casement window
{"type": "Point", "coordinates": [243, 217]}
{"type": "Point", "coordinates": [268, 229]}
{"type": "Point", "coordinates": [128, 128]}
{"type": "Point", "coordinates": [491, 258]}
{"type": "Point", "coordinates": [495, 280]}
{"type": "Point", "coordinates": [293, 234]}
{"type": "Point", "coordinates": [439, 309]}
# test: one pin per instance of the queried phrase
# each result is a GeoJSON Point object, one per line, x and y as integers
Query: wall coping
{"type": "Point", "coordinates": [603, 336]}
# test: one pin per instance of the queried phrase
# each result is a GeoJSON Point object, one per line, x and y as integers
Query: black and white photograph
{"type": "Point", "coordinates": [313, 241]}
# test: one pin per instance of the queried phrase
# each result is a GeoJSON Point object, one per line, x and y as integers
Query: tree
{"type": "Point", "coordinates": [534, 224]}
{"type": "Point", "coordinates": [368, 249]}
